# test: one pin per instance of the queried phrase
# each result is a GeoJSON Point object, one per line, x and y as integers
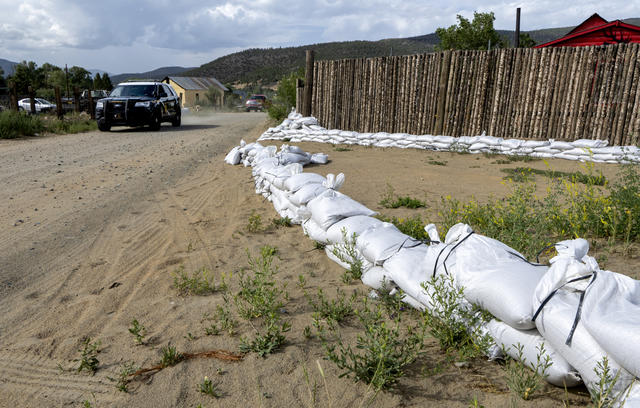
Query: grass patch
{"type": "Point", "coordinates": [337, 309]}
{"type": "Point", "coordinates": [19, 124]}
{"type": "Point", "coordinates": [512, 158]}
{"type": "Point", "coordinates": [570, 209]}
{"type": "Point", "coordinates": [391, 200]}
{"type": "Point", "coordinates": [437, 162]}
{"type": "Point", "coordinates": [341, 149]}
{"type": "Point", "coordinates": [200, 282]}
{"type": "Point", "coordinates": [412, 226]}
{"type": "Point", "coordinates": [70, 123]}
{"type": "Point", "coordinates": [524, 174]}
{"type": "Point", "coordinates": [282, 222]}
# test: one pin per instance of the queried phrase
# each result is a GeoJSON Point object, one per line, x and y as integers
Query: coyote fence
{"type": "Point", "coordinates": [560, 93]}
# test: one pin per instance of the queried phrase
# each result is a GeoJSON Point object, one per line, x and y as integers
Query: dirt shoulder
{"type": "Point", "coordinates": [96, 224]}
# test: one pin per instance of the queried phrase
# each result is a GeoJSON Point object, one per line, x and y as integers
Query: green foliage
{"type": "Point", "coordinates": [381, 353]}
{"type": "Point", "coordinates": [346, 252]}
{"type": "Point", "coordinates": [449, 320]}
{"type": "Point", "coordinates": [88, 359]}
{"type": "Point", "coordinates": [254, 223]}
{"type": "Point", "coordinates": [391, 200]}
{"type": "Point", "coordinates": [259, 295]}
{"type": "Point", "coordinates": [285, 96]}
{"type": "Point", "coordinates": [412, 226]}
{"type": "Point", "coordinates": [210, 388]}
{"type": "Point", "coordinates": [223, 321]}
{"type": "Point", "coordinates": [124, 376]}
{"type": "Point", "coordinates": [524, 174]}
{"type": "Point", "coordinates": [170, 356]}
{"type": "Point", "coordinates": [27, 74]}
{"type": "Point", "coordinates": [70, 123]}
{"type": "Point", "coordinates": [524, 379]}
{"type": "Point", "coordinates": [269, 340]}
{"type": "Point", "coordinates": [201, 282]}
{"type": "Point", "coordinates": [336, 309]}
{"type": "Point", "coordinates": [570, 208]}
{"type": "Point", "coordinates": [18, 124]}
{"type": "Point", "coordinates": [602, 395]}
{"type": "Point", "coordinates": [470, 35]}
{"type": "Point", "coordinates": [138, 331]}
{"type": "Point", "coordinates": [282, 222]}
{"type": "Point", "coordinates": [526, 41]}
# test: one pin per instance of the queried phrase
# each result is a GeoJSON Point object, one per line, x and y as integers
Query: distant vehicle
{"type": "Point", "coordinates": [139, 104]}
{"type": "Point", "coordinates": [42, 105]}
{"type": "Point", "coordinates": [256, 103]}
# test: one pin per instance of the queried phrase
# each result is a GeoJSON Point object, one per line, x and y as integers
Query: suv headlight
{"type": "Point", "coordinates": [100, 105]}
{"type": "Point", "coordinates": [143, 104]}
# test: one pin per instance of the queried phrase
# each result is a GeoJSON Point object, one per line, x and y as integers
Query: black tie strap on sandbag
{"type": "Point", "coordinates": [576, 319]}
{"type": "Point", "coordinates": [542, 250]}
{"type": "Point", "coordinates": [517, 255]}
{"type": "Point", "coordinates": [435, 266]}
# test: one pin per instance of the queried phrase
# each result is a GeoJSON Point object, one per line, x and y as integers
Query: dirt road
{"type": "Point", "coordinates": [81, 214]}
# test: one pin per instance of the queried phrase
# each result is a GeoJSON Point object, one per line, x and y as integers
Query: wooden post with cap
{"type": "Point", "coordinates": [308, 84]}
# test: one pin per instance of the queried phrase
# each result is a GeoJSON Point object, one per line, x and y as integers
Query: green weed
{"type": "Point", "coordinates": [391, 200]}
{"type": "Point", "coordinates": [269, 340]}
{"type": "Point", "coordinates": [282, 222]}
{"type": "Point", "coordinates": [259, 294]}
{"type": "Point", "coordinates": [170, 356]}
{"type": "Point", "coordinates": [208, 387]}
{"type": "Point", "coordinates": [18, 124]}
{"type": "Point", "coordinates": [448, 320]}
{"type": "Point", "coordinates": [602, 392]}
{"type": "Point", "coordinates": [254, 223]}
{"type": "Point", "coordinates": [381, 352]}
{"type": "Point", "coordinates": [124, 376]}
{"type": "Point", "coordinates": [412, 226]}
{"type": "Point", "coordinates": [89, 352]}
{"type": "Point", "coordinates": [437, 163]}
{"type": "Point", "coordinates": [341, 149]}
{"type": "Point", "coordinates": [224, 322]}
{"type": "Point", "coordinates": [138, 331]}
{"type": "Point", "coordinates": [347, 253]}
{"type": "Point", "coordinates": [336, 309]}
{"type": "Point", "coordinates": [524, 379]}
{"type": "Point", "coordinates": [524, 174]}
{"type": "Point", "coordinates": [201, 282]}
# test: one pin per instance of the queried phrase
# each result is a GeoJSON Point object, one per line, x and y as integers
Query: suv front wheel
{"type": "Point", "coordinates": [103, 126]}
{"type": "Point", "coordinates": [155, 121]}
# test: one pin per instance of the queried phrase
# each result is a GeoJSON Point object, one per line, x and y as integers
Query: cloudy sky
{"type": "Point", "coordinates": [139, 35]}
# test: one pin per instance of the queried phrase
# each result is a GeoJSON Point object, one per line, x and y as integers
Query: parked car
{"type": "Point", "coordinates": [139, 104]}
{"type": "Point", "coordinates": [42, 105]}
{"type": "Point", "coordinates": [256, 103]}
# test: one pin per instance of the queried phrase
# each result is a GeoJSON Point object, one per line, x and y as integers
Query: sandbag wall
{"type": "Point", "coordinates": [566, 93]}
{"type": "Point", "coordinates": [578, 313]}
{"type": "Point", "coordinates": [306, 129]}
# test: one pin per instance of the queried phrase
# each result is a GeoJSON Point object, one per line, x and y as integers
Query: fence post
{"type": "Point", "coordinates": [13, 96]}
{"type": "Point", "coordinates": [92, 107]}
{"type": "Point", "coordinates": [76, 99]}
{"type": "Point", "coordinates": [32, 100]}
{"type": "Point", "coordinates": [308, 84]}
{"type": "Point", "coordinates": [59, 110]}
{"type": "Point", "coordinates": [299, 94]}
{"type": "Point", "coordinates": [442, 92]}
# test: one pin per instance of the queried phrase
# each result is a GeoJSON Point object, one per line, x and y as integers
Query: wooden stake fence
{"type": "Point", "coordinates": [560, 93]}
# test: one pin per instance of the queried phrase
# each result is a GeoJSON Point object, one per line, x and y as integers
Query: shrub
{"type": "Point", "coordinates": [412, 226]}
{"type": "Point", "coordinates": [18, 124]}
{"type": "Point", "coordinates": [285, 96]}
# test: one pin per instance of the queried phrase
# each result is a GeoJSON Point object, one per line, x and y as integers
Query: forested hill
{"type": "Point", "coordinates": [268, 65]}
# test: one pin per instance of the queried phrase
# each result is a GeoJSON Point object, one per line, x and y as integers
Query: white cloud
{"type": "Point", "coordinates": [166, 32]}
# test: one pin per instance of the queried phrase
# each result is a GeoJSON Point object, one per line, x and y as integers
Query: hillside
{"type": "Point", "coordinates": [7, 66]}
{"type": "Point", "coordinates": [155, 74]}
{"type": "Point", "coordinates": [268, 65]}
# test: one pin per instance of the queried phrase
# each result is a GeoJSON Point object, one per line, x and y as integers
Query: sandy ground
{"type": "Point", "coordinates": [94, 225]}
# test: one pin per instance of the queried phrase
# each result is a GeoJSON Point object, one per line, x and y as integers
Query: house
{"type": "Point", "coordinates": [192, 90]}
{"type": "Point", "coordinates": [597, 31]}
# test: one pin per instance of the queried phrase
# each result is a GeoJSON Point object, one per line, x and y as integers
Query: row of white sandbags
{"type": "Point", "coordinates": [502, 283]}
{"type": "Point", "coordinates": [305, 129]}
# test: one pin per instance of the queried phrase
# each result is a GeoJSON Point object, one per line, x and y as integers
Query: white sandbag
{"type": "Point", "coordinates": [407, 270]}
{"type": "Point", "coordinates": [319, 158]}
{"type": "Point", "coordinates": [277, 176]}
{"type": "Point", "coordinates": [590, 144]}
{"type": "Point", "coordinates": [307, 193]}
{"type": "Point", "coordinates": [337, 254]}
{"type": "Point", "coordinates": [351, 225]}
{"type": "Point", "coordinates": [560, 372]}
{"type": "Point", "coordinates": [297, 181]}
{"type": "Point", "coordinates": [494, 276]}
{"type": "Point", "coordinates": [559, 293]}
{"type": "Point", "coordinates": [314, 231]}
{"type": "Point", "coordinates": [376, 278]}
{"type": "Point", "coordinates": [332, 206]}
{"type": "Point", "coordinates": [233, 157]}
{"type": "Point", "coordinates": [611, 314]}
{"type": "Point", "coordinates": [288, 157]}
{"type": "Point", "coordinates": [265, 153]}
{"type": "Point", "coordinates": [382, 241]}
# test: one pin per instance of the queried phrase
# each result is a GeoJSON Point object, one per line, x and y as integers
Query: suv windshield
{"type": "Point", "coordinates": [133, 90]}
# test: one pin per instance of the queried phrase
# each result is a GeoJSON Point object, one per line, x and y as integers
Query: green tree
{"type": "Point", "coordinates": [97, 81]}
{"type": "Point", "coordinates": [27, 74]}
{"type": "Point", "coordinates": [106, 82]}
{"type": "Point", "coordinates": [526, 41]}
{"type": "Point", "coordinates": [50, 75]}
{"type": "Point", "coordinates": [470, 35]}
{"type": "Point", "coordinates": [80, 77]}
{"type": "Point", "coordinates": [3, 82]}
{"type": "Point", "coordinates": [285, 95]}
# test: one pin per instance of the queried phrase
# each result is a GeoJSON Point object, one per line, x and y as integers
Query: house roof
{"type": "Point", "coordinates": [197, 83]}
{"type": "Point", "coordinates": [586, 29]}
{"type": "Point", "coordinates": [594, 21]}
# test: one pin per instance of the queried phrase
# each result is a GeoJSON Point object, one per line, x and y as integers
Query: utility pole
{"type": "Point", "coordinates": [517, 39]}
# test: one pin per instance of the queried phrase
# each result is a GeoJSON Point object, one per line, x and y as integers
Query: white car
{"type": "Point", "coordinates": [42, 105]}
